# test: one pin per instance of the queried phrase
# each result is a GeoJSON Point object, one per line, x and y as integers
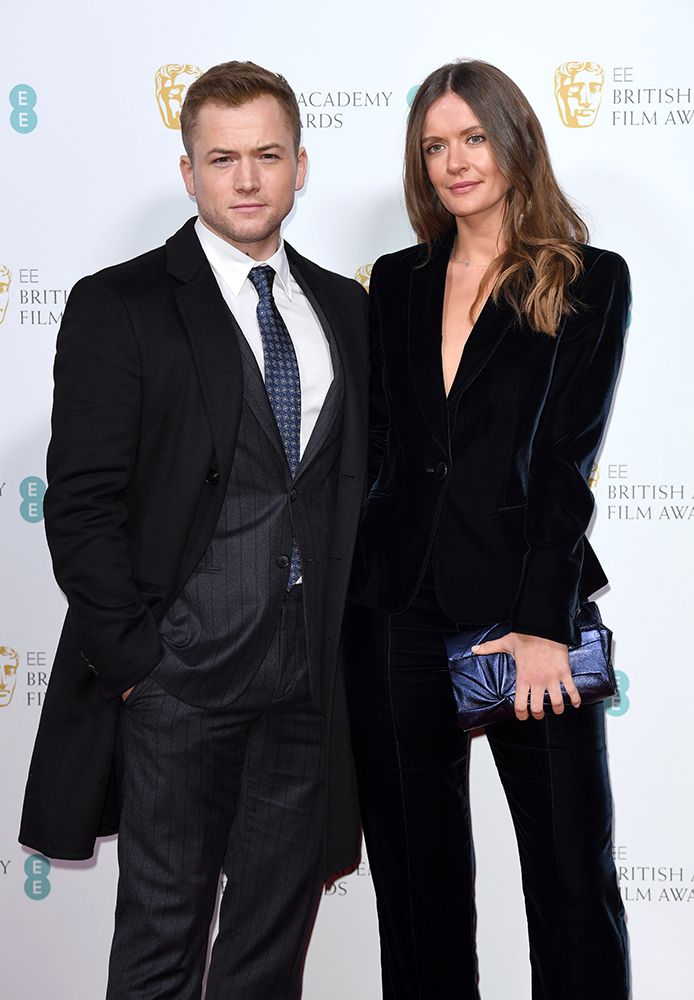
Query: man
{"type": "Point", "coordinates": [205, 477]}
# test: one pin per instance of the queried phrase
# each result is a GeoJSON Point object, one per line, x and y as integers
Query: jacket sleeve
{"type": "Point", "coordinates": [91, 458]}
{"type": "Point", "coordinates": [566, 441]}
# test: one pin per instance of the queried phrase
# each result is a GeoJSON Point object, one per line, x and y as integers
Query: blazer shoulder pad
{"type": "Point", "coordinates": [402, 259]}
{"type": "Point", "coordinates": [605, 263]}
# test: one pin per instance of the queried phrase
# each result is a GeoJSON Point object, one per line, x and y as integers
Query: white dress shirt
{"type": "Point", "coordinates": [231, 268]}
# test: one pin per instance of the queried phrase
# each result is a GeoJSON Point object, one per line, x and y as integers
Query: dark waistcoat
{"type": "Point", "coordinates": [219, 628]}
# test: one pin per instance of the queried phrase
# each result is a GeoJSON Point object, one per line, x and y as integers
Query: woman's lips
{"type": "Point", "coordinates": [463, 186]}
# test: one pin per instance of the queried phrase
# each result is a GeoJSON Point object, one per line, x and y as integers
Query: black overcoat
{"type": "Point", "coordinates": [491, 484]}
{"type": "Point", "coordinates": [145, 417]}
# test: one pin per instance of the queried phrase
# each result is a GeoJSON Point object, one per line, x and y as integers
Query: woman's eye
{"type": "Point", "coordinates": [475, 139]}
{"type": "Point", "coordinates": [434, 147]}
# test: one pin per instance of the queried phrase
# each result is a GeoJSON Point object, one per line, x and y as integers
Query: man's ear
{"type": "Point", "coordinates": [186, 167]}
{"type": "Point", "coordinates": [301, 168]}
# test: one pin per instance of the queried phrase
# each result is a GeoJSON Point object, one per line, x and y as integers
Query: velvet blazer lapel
{"type": "Point", "coordinates": [425, 324]}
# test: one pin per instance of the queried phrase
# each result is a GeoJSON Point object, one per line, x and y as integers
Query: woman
{"type": "Point", "coordinates": [497, 342]}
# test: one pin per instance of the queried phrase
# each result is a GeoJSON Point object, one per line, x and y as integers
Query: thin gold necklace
{"type": "Point", "coordinates": [469, 263]}
{"type": "Point", "coordinates": [466, 263]}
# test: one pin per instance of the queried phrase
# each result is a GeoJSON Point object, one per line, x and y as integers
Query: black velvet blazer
{"type": "Point", "coordinates": [491, 482]}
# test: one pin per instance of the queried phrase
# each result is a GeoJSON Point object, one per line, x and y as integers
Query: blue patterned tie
{"type": "Point", "coordinates": [281, 380]}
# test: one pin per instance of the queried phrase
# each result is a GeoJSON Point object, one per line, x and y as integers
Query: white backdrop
{"type": "Point", "coordinates": [90, 177]}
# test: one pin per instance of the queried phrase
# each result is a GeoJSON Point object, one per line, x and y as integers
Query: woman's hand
{"type": "Point", "coordinates": [541, 665]}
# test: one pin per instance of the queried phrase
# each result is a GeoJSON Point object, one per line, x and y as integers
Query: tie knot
{"type": "Point", "coordinates": [262, 278]}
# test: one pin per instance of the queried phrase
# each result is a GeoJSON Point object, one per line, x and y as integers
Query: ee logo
{"type": "Point", "coordinates": [36, 884]}
{"type": "Point", "coordinates": [31, 490]}
{"type": "Point", "coordinates": [23, 100]}
{"type": "Point", "coordinates": [619, 705]}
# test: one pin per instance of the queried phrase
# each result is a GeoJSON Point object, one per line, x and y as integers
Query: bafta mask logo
{"type": "Point", "coordinates": [5, 282]}
{"type": "Point", "coordinates": [171, 83]}
{"type": "Point", "coordinates": [578, 92]}
{"type": "Point", "coordinates": [9, 665]}
{"type": "Point", "coordinates": [363, 275]}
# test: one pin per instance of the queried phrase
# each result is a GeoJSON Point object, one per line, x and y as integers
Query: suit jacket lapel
{"type": "Point", "coordinates": [256, 395]}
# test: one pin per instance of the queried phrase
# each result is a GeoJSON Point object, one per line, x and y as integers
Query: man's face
{"type": "Point", "coordinates": [9, 662]}
{"type": "Point", "coordinates": [244, 172]}
{"type": "Point", "coordinates": [580, 97]}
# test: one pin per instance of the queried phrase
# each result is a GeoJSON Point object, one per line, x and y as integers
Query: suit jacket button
{"type": "Point", "coordinates": [441, 471]}
{"type": "Point", "coordinates": [292, 494]}
{"type": "Point", "coordinates": [282, 561]}
{"type": "Point", "coordinates": [212, 478]}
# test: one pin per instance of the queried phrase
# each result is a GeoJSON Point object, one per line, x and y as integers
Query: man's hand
{"type": "Point", "coordinates": [541, 665]}
{"type": "Point", "coordinates": [126, 694]}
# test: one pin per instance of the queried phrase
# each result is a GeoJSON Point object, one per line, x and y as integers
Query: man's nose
{"type": "Point", "coordinates": [246, 176]}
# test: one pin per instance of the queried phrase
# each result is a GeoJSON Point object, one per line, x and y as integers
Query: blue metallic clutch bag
{"type": "Point", "coordinates": [485, 685]}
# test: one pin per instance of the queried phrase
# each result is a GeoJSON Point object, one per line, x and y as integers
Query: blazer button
{"type": "Point", "coordinates": [212, 478]}
{"type": "Point", "coordinates": [441, 471]}
{"type": "Point", "coordinates": [282, 561]}
{"type": "Point", "coordinates": [292, 494]}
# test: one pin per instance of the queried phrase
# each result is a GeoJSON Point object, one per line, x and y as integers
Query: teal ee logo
{"type": "Point", "coordinates": [23, 100]}
{"type": "Point", "coordinates": [619, 705]}
{"type": "Point", "coordinates": [36, 884]}
{"type": "Point", "coordinates": [410, 94]}
{"type": "Point", "coordinates": [31, 490]}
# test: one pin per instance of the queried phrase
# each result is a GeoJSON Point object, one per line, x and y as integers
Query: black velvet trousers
{"type": "Point", "coordinates": [412, 765]}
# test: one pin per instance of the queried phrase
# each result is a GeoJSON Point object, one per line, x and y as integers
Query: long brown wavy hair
{"type": "Point", "coordinates": [541, 231]}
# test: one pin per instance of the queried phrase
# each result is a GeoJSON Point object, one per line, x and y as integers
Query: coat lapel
{"type": "Point", "coordinates": [333, 323]}
{"type": "Point", "coordinates": [215, 350]}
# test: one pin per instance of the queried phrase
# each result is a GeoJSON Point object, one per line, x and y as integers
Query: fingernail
{"type": "Point", "coordinates": [474, 648]}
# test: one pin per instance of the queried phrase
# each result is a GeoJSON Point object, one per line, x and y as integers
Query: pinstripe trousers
{"type": "Point", "coordinates": [238, 789]}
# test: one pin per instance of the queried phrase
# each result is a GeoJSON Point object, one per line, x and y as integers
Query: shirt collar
{"type": "Point", "coordinates": [233, 266]}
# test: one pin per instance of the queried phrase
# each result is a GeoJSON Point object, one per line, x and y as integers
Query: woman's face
{"type": "Point", "coordinates": [459, 161]}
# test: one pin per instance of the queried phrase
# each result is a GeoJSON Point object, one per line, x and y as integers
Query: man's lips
{"type": "Point", "coordinates": [247, 206]}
